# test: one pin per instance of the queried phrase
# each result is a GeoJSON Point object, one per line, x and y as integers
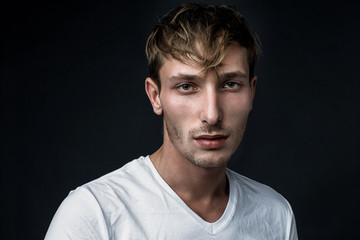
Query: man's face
{"type": "Point", "coordinates": [205, 113]}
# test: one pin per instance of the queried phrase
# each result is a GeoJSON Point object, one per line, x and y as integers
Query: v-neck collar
{"type": "Point", "coordinates": [211, 228]}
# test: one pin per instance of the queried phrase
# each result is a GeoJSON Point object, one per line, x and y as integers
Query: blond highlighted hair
{"type": "Point", "coordinates": [200, 34]}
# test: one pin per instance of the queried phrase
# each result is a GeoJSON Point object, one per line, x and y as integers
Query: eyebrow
{"type": "Point", "coordinates": [233, 75]}
{"type": "Point", "coordinates": [221, 77]}
{"type": "Point", "coordinates": [185, 77]}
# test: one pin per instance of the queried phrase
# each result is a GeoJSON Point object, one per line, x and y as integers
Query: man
{"type": "Point", "coordinates": [201, 65]}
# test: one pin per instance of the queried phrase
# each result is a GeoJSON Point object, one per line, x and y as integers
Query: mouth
{"type": "Point", "coordinates": [211, 141]}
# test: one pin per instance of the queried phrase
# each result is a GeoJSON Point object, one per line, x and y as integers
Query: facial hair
{"type": "Point", "coordinates": [178, 138]}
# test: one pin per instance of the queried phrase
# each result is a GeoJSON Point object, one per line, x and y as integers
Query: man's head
{"type": "Point", "coordinates": [203, 59]}
{"type": "Point", "coordinates": [200, 34]}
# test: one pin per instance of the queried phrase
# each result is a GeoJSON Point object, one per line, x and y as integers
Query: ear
{"type": "Point", "coordinates": [252, 89]}
{"type": "Point", "coordinates": [253, 86]}
{"type": "Point", "coordinates": [153, 93]}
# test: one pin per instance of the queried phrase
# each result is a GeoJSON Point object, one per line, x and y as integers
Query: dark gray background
{"type": "Point", "coordinates": [73, 106]}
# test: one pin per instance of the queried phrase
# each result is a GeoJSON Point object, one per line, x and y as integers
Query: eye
{"type": "Point", "coordinates": [231, 85]}
{"type": "Point", "coordinates": [186, 87]}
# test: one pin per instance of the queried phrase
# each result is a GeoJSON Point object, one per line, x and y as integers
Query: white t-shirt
{"type": "Point", "coordinates": [134, 202]}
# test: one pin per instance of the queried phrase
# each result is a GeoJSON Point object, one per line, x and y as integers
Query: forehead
{"type": "Point", "coordinates": [235, 60]}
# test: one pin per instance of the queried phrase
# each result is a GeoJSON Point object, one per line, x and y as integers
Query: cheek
{"type": "Point", "coordinates": [238, 110]}
{"type": "Point", "coordinates": [178, 108]}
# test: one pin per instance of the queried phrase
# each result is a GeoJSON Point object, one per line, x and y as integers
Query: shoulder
{"type": "Point", "coordinates": [123, 185]}
{"type": "Point", "coordinates": [257, 193]}
{"type": "Point", "coordinates": [127, 176]}
{"type": "Point", "coordinates": [260, 204]}
{"type": "Point", "coordinates": [88, 209]}
{"type": "Point", "coordinates": [126, 171]}
{"type": "Point", "coordinates": [79, 215]}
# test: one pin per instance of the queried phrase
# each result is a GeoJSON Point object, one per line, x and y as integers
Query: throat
{"type": "Point", "coordinates": [204, 190]}
{"type": "Point", "coordinates": [210, 208]}
{"type": "Point", "coordinates": [210, 211]}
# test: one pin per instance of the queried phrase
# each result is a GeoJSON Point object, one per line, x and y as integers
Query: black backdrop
{"type": "Point", "coordinates": [73, 106]}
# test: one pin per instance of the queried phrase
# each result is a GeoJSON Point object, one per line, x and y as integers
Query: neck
{"type": "Point", "coordinates": [190, 182]}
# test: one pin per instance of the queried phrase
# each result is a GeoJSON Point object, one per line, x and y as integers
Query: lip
{"type": "Point", "coordinates": [211, 141]}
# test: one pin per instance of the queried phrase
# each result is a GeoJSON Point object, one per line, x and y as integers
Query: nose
{"type": "Point", "coordinates": [211, 112]}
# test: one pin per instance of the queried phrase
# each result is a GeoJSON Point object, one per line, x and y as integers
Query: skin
{"type": "Point", "coordinates": [204, 115]}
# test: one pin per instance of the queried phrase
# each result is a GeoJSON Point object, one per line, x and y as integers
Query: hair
{"type": "Point", "coordinates": [200, 34]}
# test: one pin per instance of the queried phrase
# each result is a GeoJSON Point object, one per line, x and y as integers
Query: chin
{"type": "Point", "coordinates": [209, 160]}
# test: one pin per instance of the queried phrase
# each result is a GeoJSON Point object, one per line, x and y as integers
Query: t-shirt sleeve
{"type": "Point", "coordinates": [291, 231]}
{"type": "Point", "coordinates": [78, 217]}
